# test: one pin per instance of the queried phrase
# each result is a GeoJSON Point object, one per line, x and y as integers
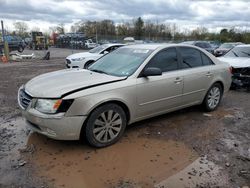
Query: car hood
{"type": "Point", "coordinates": [58, 83]}
{"type": "Point", "coordinates": [236, 62]}
{"type": "Point", "coordinates": [82, 54]}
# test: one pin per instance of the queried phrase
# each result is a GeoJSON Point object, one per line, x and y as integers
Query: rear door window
{"type": "Point", "coordinates": [166, 60]}
{"type": "Point", "coordinates": [190, 57]}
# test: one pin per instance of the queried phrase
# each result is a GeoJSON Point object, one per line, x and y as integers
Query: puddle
{"type": "Point", "coordinates": [138, 160]}
{"type": "Point", "coordinates": [135, 160]}
{"type": "Point", "coordinates": [201, 173]}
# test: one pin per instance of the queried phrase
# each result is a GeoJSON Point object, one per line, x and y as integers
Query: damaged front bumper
{"type": "Point", "coordinates": [241, 78]}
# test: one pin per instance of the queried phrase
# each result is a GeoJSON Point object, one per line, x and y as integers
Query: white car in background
{"type": "Point", "coordinates": [90, 44]}
{"type": "Point", "coordinates": [85, 59]}
{"type": "Point", "coordinates": [239, 60]}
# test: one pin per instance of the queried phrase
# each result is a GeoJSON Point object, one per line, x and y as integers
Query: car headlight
{"type": "Point", "coordinates": [78, 59]}
{"type": "Point", "coordinates": [49, 106]}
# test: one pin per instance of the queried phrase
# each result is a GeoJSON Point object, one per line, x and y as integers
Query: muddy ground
{"type": "Point", "coordinates": [187, 148]}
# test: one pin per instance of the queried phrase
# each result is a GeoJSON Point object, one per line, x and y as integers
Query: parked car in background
{"type": "Point", "coordinates": [214, 44]}
{"type": "Point", "coordinates": [85, 59]}
{"type": "Point", "coordinates": [132, 83]}
{"type": "Point", "coordinates": [90, 44]}
{"type": "Point", "coordinates": [202, 44]}
{"type": "Point", "coordinates": [225, 47]}
{"type": "Point", "coordinates": [14, 42]}
{"type": "Point", "coordinates": [239, 59]}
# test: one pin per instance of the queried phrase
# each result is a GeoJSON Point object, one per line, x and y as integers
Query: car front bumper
{"type": "Point", "coordinates": [58, 126]}
{"type": "Point", "coordinates": [74, 64]}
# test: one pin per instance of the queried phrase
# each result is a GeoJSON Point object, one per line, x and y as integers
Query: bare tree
{"type": "Point", "coordinates": [60, 28]}
{"type": "Point", "coordinates": [21, 28]}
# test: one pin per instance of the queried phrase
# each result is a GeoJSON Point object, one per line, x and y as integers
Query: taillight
{"type": "Point", "coordinates": [231, 70]}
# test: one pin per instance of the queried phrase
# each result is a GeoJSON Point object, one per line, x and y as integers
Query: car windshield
{"type": "Point", "coordinates": [98, 49]}
{"type": "Point", "coordinates": [227, 45]}
{"type": "Point", "coordinates": [239, 52]}
{"type": "Point", "coordinates": [121, 62]}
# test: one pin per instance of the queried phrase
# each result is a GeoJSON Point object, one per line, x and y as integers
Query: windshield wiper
{"type": "Point", "coordinates": [245, 53]}
{"type": "Point", "coordinates": [99, 71]}
{"type": "Point", "coordinates": [234, 53]}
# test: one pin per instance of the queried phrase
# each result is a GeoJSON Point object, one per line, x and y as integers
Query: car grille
{"type": "Point", "coordinates": [24, 98]}
{"type": "Point", "coordinates": [68, 61]}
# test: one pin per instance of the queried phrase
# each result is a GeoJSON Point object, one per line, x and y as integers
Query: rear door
{"type": "Point", "coordinates": [156, 94]}
{"type": "Point", "coordinates": [198, 74]}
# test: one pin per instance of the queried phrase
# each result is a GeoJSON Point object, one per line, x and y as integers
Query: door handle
{"type": "Point", "coordinates": [178, 80]}
{"type": "Point", "coordinates": [208, 74]}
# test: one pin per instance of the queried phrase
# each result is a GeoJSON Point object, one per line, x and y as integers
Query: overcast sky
{"type": "Point", "coordinates": [214, 14]}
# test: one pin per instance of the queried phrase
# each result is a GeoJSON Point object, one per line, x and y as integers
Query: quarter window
{"type": "Point", "coordinates": [190, 57]}
{"type": "Point", "coordinates": [166, 60]}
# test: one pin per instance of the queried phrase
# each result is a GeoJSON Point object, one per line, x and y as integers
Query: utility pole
{"type": "Point", "coordinates": [6, 46]}
{"type": "Point", "coordinates": [96, 33]}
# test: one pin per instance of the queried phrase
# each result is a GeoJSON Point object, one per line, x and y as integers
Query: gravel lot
{"type": "Point", "coordinates": [187, 148]}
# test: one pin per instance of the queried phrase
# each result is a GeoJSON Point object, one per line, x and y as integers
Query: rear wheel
{"type": "Point", "coordinates": [213, 97]}
{"type": "Point", "coordinates": [105, 125]}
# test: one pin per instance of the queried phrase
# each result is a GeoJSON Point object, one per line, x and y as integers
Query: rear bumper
{"type": "Point", "coordinates": [57, 126]}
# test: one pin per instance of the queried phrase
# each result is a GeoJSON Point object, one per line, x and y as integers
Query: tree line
{"type": "Point", "coordinates": [143, 30]}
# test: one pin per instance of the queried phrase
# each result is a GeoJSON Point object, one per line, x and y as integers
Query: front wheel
{"type": "Point", "coordinates": [213, 97]}
{"type": "Point", "coordinates": [105, 125]}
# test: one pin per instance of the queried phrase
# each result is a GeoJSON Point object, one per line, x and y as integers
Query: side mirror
{"type": "Point", "coordinates": [152, 71]}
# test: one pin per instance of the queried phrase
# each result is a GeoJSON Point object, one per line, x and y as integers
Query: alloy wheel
{"type": "Point", "coordinates": [214, 97]}
{"type": "Point", "coordinates": [107, 126]}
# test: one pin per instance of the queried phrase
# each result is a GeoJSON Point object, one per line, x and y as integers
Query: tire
{"type": "Point", "coordinates": [99, 131]}
{"type": "Point", "coordinates": [87, 64]}
{"type": "Point", "coordinates": [213, 97]}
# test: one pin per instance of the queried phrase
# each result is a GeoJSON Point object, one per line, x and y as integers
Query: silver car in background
{"type": "Point", "coordinates": [128, 85]}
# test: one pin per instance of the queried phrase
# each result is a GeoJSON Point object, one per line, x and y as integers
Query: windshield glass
{"type": "Point", "coordinates": [239, 52]}
{"type": "Point", "coordinates": [227, 45]}
{"type": "Point", "coordinates": [98, 49]}
{"type": "Point", "coordinates": [121, 62]}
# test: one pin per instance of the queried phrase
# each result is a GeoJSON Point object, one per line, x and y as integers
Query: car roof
{"type": "Point", "coordinates": [113, 44]}
{"type": "Point", "coordinates": [156, 46]}
{"type": "Point", "coordinates": [243, 45]}
{"type": "Point", "coordinates": [147, 46]}
{"type": "Point", "coordinates": [232, 43]}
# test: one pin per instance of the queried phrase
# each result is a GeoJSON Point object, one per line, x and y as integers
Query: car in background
{"type": "Point", "coordinates": [85, 59]}
{"type": "Point", "coordinates": [225, 47]}
{"type": "Point", "coordinates": [133, 83]}
{"type": "Point", "coordinates": [214, 44]}
{"type": "Point", "coordinates": [202, 44]}
{"type": "Point", "coordinates": [239, 59]}
{"type": "Point", "coordinates": [89, 44]}
{"type": "Point", "coordinates": [14, 43]}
